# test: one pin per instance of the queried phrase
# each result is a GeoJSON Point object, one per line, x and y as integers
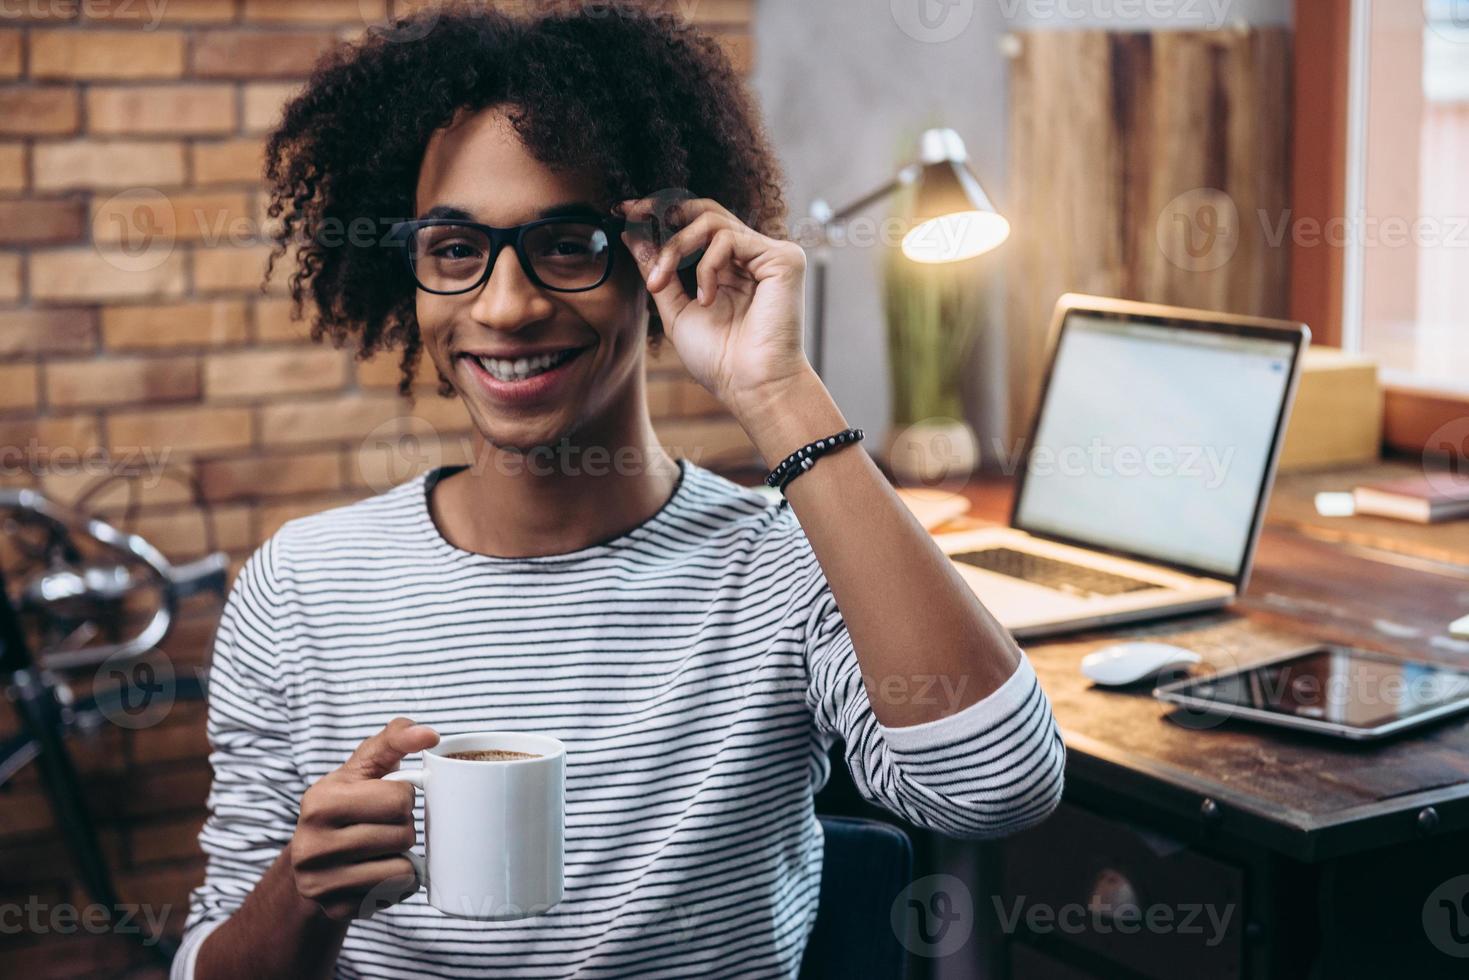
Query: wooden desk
{"type": "Point", "coordinates": [1326, 851]}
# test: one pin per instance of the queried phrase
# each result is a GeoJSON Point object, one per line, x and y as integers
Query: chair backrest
{"type": "Point", "coordinates": [867, 863]}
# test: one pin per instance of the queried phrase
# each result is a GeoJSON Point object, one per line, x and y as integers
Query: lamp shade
{"type": "Point", "coordinates": [952, 216]}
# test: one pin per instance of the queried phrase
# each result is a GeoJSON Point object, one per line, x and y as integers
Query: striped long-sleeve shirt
{"type": "Point", "coordinates": [698, 671]}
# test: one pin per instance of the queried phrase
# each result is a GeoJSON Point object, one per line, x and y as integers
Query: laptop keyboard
{"type": "Point", "coordinates": [1052, 573]}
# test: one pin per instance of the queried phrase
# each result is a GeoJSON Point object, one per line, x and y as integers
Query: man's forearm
{"type": "Point", "coordinates": [275, 933]}
{"type": "Point", "coordinates": [912, 618]}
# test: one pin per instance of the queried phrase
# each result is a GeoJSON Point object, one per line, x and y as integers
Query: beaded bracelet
{"type": "Point", "coordinates": [804, 458]}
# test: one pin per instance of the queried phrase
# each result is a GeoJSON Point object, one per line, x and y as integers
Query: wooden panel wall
{"type": "Point", "coordinates": [1150, 166]}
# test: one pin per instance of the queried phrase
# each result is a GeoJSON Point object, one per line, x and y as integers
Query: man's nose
{"type": "Point", "coordinates": [508, 299]}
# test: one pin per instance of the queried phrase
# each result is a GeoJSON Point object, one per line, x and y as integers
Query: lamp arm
{"type": "Point", "coordinates": [830, 219]}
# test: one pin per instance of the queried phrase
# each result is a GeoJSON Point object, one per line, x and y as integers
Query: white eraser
{"type": "Point", "coordinates": [1460, 628]}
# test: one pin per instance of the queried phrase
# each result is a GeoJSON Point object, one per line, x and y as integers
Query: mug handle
{"type": "Point", "coordinates": [414, 777]}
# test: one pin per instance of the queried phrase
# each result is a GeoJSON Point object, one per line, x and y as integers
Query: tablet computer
{"type": "Point", "coordinates": [1333, 690]}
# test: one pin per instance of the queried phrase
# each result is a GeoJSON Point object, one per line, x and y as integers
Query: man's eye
{"type": "Point", "coordinates": [454, 250]}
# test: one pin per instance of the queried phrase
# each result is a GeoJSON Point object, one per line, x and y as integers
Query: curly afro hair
{"type": "Point", "coordinates": [631, 92]}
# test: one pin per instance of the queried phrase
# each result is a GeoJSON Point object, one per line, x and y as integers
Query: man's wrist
{"type": "Point", "coordinates": [781, 417]}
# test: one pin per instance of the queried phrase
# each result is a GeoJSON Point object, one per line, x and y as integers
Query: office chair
{"type": "Point", "coordinates": [866, 864]}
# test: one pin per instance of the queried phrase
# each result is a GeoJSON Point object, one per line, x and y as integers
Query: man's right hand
{"type": "Point", "coordinates": [354, 827]}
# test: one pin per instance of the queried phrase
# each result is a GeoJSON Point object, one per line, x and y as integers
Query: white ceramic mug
{"type": "Point", "coordinates": [494, 830]}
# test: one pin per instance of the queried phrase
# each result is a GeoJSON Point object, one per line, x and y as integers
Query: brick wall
{"type": "Point", "coordinates": [116, 125]}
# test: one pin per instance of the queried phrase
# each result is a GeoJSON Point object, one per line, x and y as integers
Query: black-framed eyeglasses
{"type": "Point", "coordinates": [564, 254]}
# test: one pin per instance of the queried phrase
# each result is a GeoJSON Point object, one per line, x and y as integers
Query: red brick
{"type": "Point", "coordinates": [38, 111]}
{"type": "Point", "coordinates": [181, 533]}
{"type": "Point", "coordinates": [12, 276]}
{"type": "Point", "coordinates": [43, 441]}
{"type": "Point", "coordinates": [276, 54]}
{"type": "Point", "coordinates": [25, 333]}
{"type": "Point", "coordinates": [106, 54]}
{"type": "Point", "coordinates": [382, 370]}
{"type": "Point", "coordinates": [107, 164]}
{"type": "Point", "coordinates": [265, 373]}
{"type": "Point", "coordinates": [345, 12]}
{"type": "Point", "coordinates": [263, 102]}
{"type": "Point", "coordinates": [275, 475]}
{"type": "Point", "coordinates": [121, 380]}
{"type": "Point", "coordinates": [18, 386]}
{"type": "Point", "coordinates": [150, 15]}
{"type": "Point", "coordinates": [40, 222]}
{"type": "Point", "coordinates": [273, 321]}
{"type": "Point", "coordinates": [182, 430]}
{"type": "Point", "coordinates": [226, 267]}
{"type": "Point", "coordinates": [12, 167]}
{"type": "Point", "coordinates": [233, 161]}
{"type": "Point", "coordinates": [71, 274]}
{"type": "Point", "coordinates": [161, 109]}
{"type": "Point", "coordinates": [208, 324]}
{"type": "Point", "coordinates": [218, 217]}
{"type": "Point", "coordinates": [10, 54]}
{"type": "Point", "coordinates": [326, 419]}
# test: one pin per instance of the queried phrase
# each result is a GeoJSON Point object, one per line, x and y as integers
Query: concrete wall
{"type": "Point", "coordinates": [847, 86]}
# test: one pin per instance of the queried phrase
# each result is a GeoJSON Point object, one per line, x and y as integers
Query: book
{"type": "Point", "coordinates": [1424, 499]}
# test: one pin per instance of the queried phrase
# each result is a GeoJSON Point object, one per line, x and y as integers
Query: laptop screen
{"type": "Point", "coordinates": [1155, 438]}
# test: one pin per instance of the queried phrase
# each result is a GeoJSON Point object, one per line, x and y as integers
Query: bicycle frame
{"type": "Point", "coordinates": [47, 719]}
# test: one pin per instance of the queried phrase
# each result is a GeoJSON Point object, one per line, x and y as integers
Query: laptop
{"type": "Point", "coordinates": [1143, 482]}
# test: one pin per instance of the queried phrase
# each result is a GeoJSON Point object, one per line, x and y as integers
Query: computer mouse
{"type": "Point", "coordinates": [1133, 661]}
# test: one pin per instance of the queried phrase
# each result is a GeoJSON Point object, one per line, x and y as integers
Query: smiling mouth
{"type": "Point", "coordinates": [521, 368]}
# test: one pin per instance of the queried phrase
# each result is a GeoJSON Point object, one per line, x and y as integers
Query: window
{"type": "Point", "coordinates": [1406, 227]}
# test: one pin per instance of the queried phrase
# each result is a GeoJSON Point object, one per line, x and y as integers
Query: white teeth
{"type": "Point", "coordinates": [505, 369]}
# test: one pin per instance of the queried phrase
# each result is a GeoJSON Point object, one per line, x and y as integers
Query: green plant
{"type": "Point", "coordinates": [932, 312]}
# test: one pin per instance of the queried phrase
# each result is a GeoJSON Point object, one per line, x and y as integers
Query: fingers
{"type": "Point", "coordinates": [341, 802]}
{"type": "Point", "coordinates": [380, 754]}
{"type": "Point", "coordinates": [342, 893]}
{"type": "Point", "coordinates": [355, 844]}
{"type": "Point", "coordinates": [719, 252]}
